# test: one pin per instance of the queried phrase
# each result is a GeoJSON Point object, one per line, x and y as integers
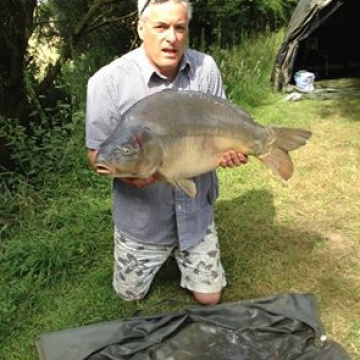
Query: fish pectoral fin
{"type": "Point", "coordinates": [283, 141]}
{"type": "Point", "coordinates": [279, 162]}
{"type": "Point", "coordinates": [185, 184]}
{"type": "Point", "coordinates": [161, 177]}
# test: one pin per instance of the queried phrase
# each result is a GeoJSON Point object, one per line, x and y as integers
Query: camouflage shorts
{"type": "Point", "coordinates": [137, 264]}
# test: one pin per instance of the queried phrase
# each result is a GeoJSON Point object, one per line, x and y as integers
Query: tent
{"type": "Point", "coordinates": [322, 39]}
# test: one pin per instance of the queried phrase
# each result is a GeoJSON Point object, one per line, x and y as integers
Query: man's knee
{"type": "Point", "coordinates": [128, 295]}
{"type": "Point", "coordinates": [207, 299]}
{"type": "Point", "coordinates": [127, 289]}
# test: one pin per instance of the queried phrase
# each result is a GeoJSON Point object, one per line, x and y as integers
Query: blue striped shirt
{"type": "Point", "coordinates": [158, 213]}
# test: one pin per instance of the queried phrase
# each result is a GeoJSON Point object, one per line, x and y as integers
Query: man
{"type": "Point", "coordinates": [152, 219]}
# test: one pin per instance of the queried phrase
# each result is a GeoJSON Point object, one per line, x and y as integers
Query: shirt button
{"type": "Point", "coordinates": [179, 207]}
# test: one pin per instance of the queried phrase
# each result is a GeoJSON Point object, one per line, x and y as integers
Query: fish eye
{"type": "Point", "coordinates": [125, 150]}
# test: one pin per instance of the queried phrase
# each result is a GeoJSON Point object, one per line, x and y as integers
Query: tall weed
{"type": "Point", "coordinates": [246, 68]}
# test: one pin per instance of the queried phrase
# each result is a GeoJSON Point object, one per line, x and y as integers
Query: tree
{"type": "Point", "coordinates": [72, 28]}
{"type": "Point", "coordinates": [225, 22]}
{"type": "Point", "coordinates": [71, 23]}
{"type": "Point", "coordinates": [16, 28]}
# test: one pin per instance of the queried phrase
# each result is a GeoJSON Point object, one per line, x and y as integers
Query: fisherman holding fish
{"type": "Point", "coordinates": [152, 219]}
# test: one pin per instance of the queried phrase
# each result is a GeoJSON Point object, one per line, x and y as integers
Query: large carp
{"type": "Point", "coordinates": [181, 134]}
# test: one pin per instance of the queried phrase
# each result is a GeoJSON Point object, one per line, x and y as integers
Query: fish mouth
{"type": "Point", "coordinates": [103, 169]}
{"type": "Point", "coordinates": [111, 171]}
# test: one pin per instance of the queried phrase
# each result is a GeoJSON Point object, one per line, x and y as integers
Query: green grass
{"type": "Point", "coordinates": [300, 236]}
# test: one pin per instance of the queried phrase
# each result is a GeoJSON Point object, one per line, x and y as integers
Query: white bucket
{"type": "Point", "coordinates": [304, 80]}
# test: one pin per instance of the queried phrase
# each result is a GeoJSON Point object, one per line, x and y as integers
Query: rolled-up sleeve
{"type": "Point", "coordinates": [101, 114]}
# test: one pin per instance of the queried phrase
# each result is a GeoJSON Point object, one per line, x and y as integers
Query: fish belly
{"type": "Point", "coordinates": [194, 155]}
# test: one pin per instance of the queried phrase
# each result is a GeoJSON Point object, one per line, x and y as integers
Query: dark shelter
{"type": "Point", "coordinates": [321, 38]}
{"type": "Point", "coordinates": [282, 327]}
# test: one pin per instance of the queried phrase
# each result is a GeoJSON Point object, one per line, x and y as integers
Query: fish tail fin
{"type": "Point", "coordinates": [283, 140]}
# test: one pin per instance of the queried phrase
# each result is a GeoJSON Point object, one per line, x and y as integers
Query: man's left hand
{"type": "Point", "coordinates": [231, 159]}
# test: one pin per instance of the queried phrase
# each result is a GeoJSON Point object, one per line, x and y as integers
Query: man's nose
{"type": "Point", "coordinates": [171, 35]}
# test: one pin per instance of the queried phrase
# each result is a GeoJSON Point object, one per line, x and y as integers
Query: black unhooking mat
{"type": "Point", "coordinates": [282, 327]}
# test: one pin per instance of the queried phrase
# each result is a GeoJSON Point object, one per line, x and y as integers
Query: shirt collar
{"type": "Point", "coordinates": [148, 70]}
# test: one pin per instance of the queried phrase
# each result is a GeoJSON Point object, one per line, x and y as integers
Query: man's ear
{"type": "Point", "coordinates": [140, 30]}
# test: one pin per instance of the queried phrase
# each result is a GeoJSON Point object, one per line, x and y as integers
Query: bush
{"type": "Point", "coordinates": [246, 68]}
{"type": "Point", "coordinates": [224, 22]}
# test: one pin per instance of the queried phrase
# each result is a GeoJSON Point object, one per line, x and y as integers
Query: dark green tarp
{"type": "Point", "coordinates": [321, 38]}
{"type": "Point", "coordinates": [282, 327]}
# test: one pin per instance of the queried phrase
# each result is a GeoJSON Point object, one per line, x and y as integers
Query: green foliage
{"type": "Point", "coordinates": [44, 211]}
{"type": "Point", "coordinates": [45, 150]}
{"type": "Point", "coordinates": [49, 248]}
{"type": "Point", "coordinates": [99, 29]}
{"type": "Point", "coordinates": [245, 68]}
{"type": "Point", "coordinates": [51, 152]}
{"type": "Point", "coordinates": [226, 22]}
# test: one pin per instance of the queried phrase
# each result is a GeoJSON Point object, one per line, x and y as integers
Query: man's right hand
{"type": "Point", "coordinates": [91, 155]}
{"type": "Point", "coordinates": [140, 182]}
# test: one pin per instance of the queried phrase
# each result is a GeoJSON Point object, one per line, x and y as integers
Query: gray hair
{"type": "Point", "coordinates": [144, 4]}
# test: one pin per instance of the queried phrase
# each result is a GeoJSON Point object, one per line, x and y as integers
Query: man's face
{"type": "Point", "coordinates": [164, 33]}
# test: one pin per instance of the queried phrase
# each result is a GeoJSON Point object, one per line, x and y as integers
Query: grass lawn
{"type": "Point", "coordinates": [299, 236]}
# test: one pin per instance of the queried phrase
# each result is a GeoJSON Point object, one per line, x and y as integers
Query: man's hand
{"type": "Point", "coordinates": [140, 182]}
{"type": "Point", "coordinates": [231, 159]}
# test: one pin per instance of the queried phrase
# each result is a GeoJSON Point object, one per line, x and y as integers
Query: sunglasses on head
{"type": "Point", "coordinates": [148, 2]}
